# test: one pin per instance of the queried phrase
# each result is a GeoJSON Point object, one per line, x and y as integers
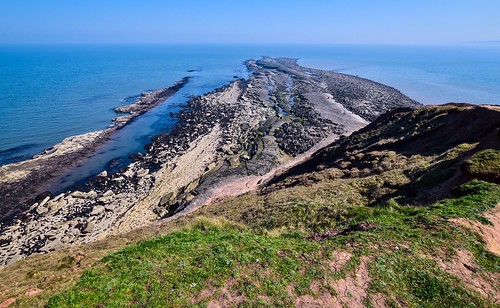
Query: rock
{"type": "Point", "coordinates": [82, 195]}
{"type": "Point", "coordinates": [53, 245]}
{"type": "Point", "coordinates": [190, 198]}
{"type": "Point", "coordinates": [166, 198]}
{"type": "Point", "coordinates": [56, 198]}
{"type": "Point", "coordinates": [108, 193]}
{"type": "Point", "coordinates": [192, 186]}
{"type": "Point", "coordinates": [211, 166]}
{"type": "Point", "coordinates": [34, 206]}
{"type": "Point", "coordinates": [129, 173]}
{"type": "Point", "coordinates": [97, 210]}
{"type": "Point", "coordinates": [234, 161]}
{"type": "Point", "coordinates": [142, 172]}
{"type": "Point", "coordinates": [89, 226]}
{"type": "Point", "coordinates": [44, 201]}
{"type": "Point", "coordinates": [227, 149]}
{"type": "Point", "coordinates": [41, 210]}
{"type": "Point", "coordinates": [58, 205]}
{"type": "Point", "coordinates": [105, 200]}
{"type": "Point", "coordinates": [78, 194]}
{"type": "Point", "coordinates": [103, 174]}
{"type": "Point", "coordinates": [33, 292]}
{"type": "Point", "coordinates": [75, 232]}
{"type": "Point", "coordinates": [15, 259]}
{"type": "Point", "coordinates": [91, 194]}
{"type": "Point", "coordinates": [110, 207]}
{"type": "Point", "coordinates": [8, 302]}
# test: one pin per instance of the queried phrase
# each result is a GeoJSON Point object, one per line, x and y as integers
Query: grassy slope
{"type": "Point", "coordinates": [370, 203]}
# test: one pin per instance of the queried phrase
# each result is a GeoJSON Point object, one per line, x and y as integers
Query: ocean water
{"type": "Point", "coordinates": [48, 93]}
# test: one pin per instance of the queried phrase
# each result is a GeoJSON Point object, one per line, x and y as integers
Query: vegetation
{"type": "Point", "coordinates": [374, 225]}
{"type": "Point", "coordinates": [217, 259]}
{"type": "Point", "coordinates": [484, 165]}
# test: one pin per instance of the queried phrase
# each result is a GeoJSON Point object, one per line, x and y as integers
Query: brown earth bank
{"type": "Point", "coordinates": [243, 130]}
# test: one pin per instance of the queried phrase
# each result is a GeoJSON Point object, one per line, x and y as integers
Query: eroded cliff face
{"type": "Point", "coordinates": [240, 133]}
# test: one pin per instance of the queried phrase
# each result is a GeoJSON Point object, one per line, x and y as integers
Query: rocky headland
{"type": "Point", "coordinates": [225, 143]}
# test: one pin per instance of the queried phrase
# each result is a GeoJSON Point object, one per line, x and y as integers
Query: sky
{"type": "Point", "coordinates": [249, 22]}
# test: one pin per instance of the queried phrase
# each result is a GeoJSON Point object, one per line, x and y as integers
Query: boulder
{"type": "Point", "coordinates": [110, 207]}
{"type": "Point", "coordinates": [142, 172]}
{"type": "Point", "coordinates": [53, 245]}
{"type": "Point", "coordinates": [227, 149]}
{"type": "Point", "coordinates": [41, 210]}
{"type": "Point", "coordinates": [108, 193]}
{"type": "Point", "coordinates": [44, 201]}
{"type": "Point", "coordinates": [82, 195]}
{"type": "Point", "coordinates": [97, 210]}
{"type": "Point", "coordinates": [166, 198]}
{"type": "Point", "coordinates": [56, 198]}
{"type": "Point", "coordinates": [89, 226]}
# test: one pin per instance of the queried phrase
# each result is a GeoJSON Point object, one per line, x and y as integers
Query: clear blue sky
{"type": "Point", "coordinates": [257, 21]}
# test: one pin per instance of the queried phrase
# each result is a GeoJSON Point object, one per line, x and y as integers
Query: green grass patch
{"type": "Point", "coordinates": [418, 282]}
{"type": "Point", "coordinates": [252, 264]}
{"type": "Point", "coordinates": [484, 165]}
{"type": "Point", "coordinates": [171, 270]}
{"type": "Point", "coordinates": [474, 198]}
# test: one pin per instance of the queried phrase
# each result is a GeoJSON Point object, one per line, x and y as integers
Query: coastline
{"type": "Point", "coordinates": [244, 130]}
{"type": "Point", "coordinates": [26, 179]}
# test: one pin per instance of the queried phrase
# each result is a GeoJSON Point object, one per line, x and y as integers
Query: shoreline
{"type": "Point", "coordinates": [18, 179]}
{"type": "Point", "coordinates": [244, 130]}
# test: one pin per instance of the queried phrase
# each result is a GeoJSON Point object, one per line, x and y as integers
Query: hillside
{"type": "Point", "coordinates": [405, 212]}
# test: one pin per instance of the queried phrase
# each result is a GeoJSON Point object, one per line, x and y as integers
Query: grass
{"type": "Point", "coordinates": [484, 165]}
{"type": "Point", "coordinates": [256, 266]}
{"type": "Point", "coordinates": [169, 270]}
{"type": "Point", "coordinates": [262, 249]}
{"type": "Point", "coordinates": [419, 282]}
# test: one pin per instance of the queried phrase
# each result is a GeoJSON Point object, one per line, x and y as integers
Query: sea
{"type": "Point", "coordinates": [50, 92]}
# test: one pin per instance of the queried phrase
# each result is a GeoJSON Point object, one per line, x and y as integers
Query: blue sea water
{"type": "Point", "coordinates": [48, 93]}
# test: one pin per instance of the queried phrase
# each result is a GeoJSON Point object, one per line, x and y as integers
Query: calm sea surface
{"type": "Point", "coordinates": [48, 93]}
